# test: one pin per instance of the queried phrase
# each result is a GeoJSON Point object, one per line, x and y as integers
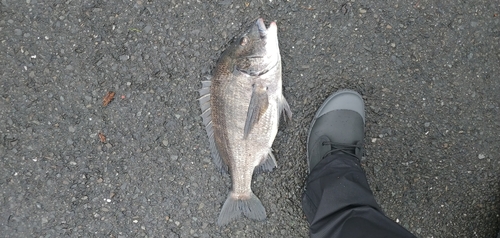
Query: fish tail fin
{"type": "Point", "coordinates": [233, 208]}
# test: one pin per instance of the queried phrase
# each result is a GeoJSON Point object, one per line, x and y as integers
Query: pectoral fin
{"type": "Point", "coordinates": [259, 103]}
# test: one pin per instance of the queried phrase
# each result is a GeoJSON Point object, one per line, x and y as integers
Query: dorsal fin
{"type": "Point", "coordinates": [206, 115]}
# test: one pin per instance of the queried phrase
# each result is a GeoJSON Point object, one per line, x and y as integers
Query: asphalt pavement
{"type": "Point", "coordinates": [429, 71]}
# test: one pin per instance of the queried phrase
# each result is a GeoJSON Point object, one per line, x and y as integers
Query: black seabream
{"type": "Point", "coordinates": [241, 107]}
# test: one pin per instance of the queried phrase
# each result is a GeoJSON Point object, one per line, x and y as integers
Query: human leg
{"type": "Point", "coordinates": [338, 201]}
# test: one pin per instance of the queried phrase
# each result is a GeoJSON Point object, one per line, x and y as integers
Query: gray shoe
{"type": "Point", "coordinates": [337, 126]}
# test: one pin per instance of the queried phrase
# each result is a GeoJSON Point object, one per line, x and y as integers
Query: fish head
{"type": "Point", "coordinates": [256, 52]}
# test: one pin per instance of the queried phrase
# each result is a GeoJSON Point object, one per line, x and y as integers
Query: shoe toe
{"type": "Point", "coordinates": [341, 126]}
{"type": "Point", "coordinates": [343, 99]}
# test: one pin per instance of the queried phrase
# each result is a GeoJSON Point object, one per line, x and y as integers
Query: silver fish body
{"type": "Point", "coordinates": [241, 106]}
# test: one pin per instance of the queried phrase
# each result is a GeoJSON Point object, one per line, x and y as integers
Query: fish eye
{"type": "Point", "coordinates": [243, 41]}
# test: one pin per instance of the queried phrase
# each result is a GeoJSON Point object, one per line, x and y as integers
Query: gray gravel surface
{"type": "Point", "coordinates": [427, 69]}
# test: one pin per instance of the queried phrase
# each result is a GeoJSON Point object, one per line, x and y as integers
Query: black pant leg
{"type": "Point", "coordinates": [338, 202]}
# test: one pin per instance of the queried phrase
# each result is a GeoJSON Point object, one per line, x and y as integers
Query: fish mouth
{"type": "Point", "coordinates": [262, 27]}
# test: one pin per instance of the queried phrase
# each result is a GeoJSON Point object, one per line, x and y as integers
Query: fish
{"type": "Point", "coordinates": [241, 107]}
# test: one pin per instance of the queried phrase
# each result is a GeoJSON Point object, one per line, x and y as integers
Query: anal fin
{"type": "Point", "coordinates": [285, 107]}
{"type": "Point", "coordinates": [267, 164]}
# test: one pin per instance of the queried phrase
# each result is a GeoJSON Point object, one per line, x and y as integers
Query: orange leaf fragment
{"type": "Point", "coordinates": [102, 137]}
{"type": "Point", "coordinates": [108, 98]}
